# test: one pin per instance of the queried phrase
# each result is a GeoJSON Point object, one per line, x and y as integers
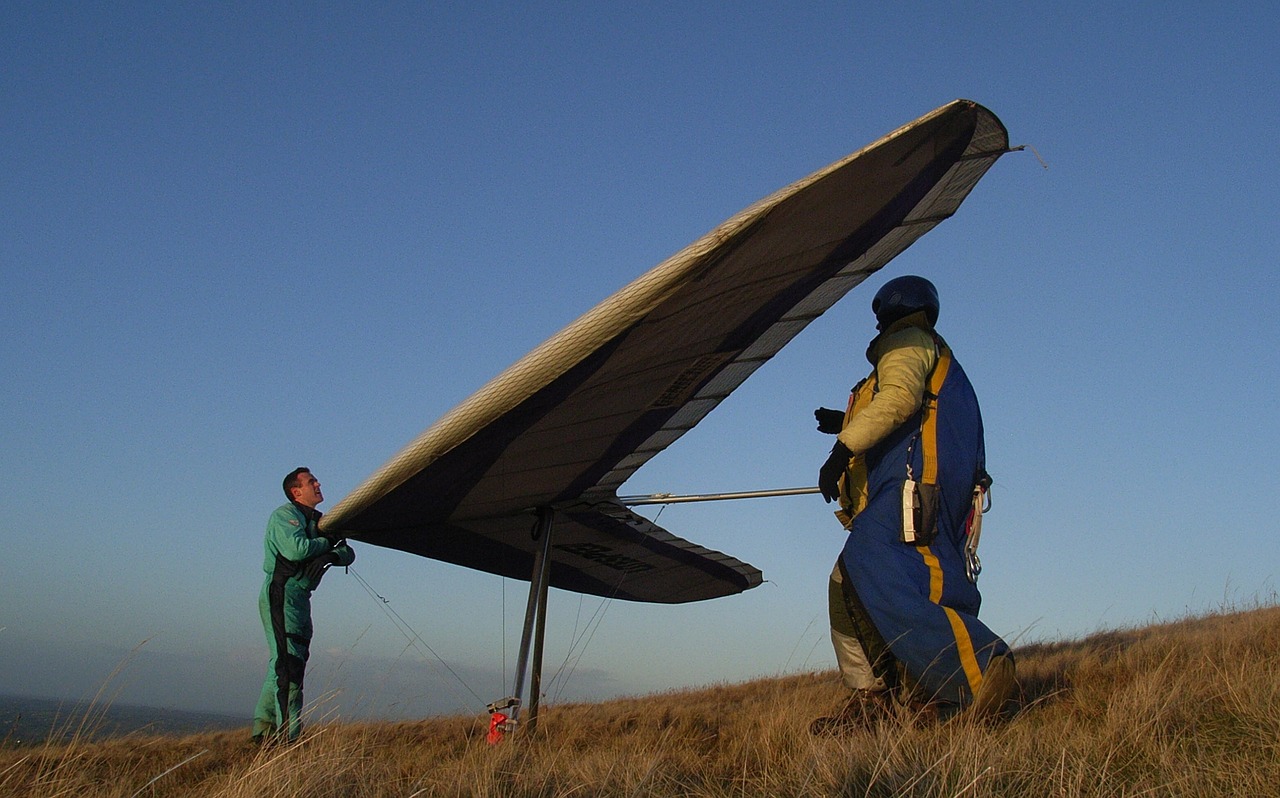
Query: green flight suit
{"type": "Point", "coordinates": [292, 541]}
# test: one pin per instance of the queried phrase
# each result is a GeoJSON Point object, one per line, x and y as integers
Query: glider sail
{"type": "Point", "coordinates": [568, 423]}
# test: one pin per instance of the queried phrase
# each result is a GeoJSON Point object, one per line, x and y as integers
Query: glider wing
{"type": "Point", "coordinates": [568, 423]}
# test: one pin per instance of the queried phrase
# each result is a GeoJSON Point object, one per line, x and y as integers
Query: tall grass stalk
{"type": "Point", "coordinates": [1189, 708]}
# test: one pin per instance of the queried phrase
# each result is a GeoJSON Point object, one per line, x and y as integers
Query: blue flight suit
{"type": "Point", "coordinates": [912, 607]}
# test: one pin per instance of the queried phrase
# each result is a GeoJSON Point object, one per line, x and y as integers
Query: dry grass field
{"type": "Point", "coordinates": [1190, 708]}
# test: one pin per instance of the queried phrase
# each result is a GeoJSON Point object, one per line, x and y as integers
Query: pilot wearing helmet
{"type": "Point", "coordinates": [909, 471]}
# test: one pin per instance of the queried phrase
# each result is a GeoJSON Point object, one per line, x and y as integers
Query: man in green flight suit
{"type": "Point", "coordinates": [297, 555]}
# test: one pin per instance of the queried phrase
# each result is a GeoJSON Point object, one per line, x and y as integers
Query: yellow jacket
{"type": "Point", "coordinates": [903, 356]}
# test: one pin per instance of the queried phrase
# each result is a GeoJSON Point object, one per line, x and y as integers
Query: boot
{"type": "Point", "coordinates": [997, 687]}
{"type": "Point", "coordinates": [861, 711]}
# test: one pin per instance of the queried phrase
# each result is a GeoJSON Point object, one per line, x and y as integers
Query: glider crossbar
{"type": "Point", "coordinates": [668, 498]}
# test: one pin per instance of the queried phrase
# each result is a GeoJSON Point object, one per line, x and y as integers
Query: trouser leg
{"type": "Point", "coordinates": [855, 667]}
{"type": "Point", "coordinates": [290, 671]}
{"type": "Point", "coordinates": [265, 715]}
{"type": "Point", "coordinates": [286, 620]}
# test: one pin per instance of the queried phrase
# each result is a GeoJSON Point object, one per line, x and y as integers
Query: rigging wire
{"type": "Point", "coordinates": [597, 618]}
{"type": "Point", "coordinates": [588, 631]}
{"type": "Point", "coordinates": [574, 639]}
{"type": "Point", "coordinates": [413, 637]}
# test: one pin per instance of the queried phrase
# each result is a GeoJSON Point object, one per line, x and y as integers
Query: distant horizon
{"type": "Point", "coordinates": [82, 702]}
{"type": "Point", "coordinates": [25, 719]}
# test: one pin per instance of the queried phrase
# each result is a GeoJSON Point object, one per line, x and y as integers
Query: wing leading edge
{"type": "Point", "coordinates": [568, 423]}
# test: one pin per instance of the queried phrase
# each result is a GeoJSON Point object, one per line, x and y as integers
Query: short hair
{"type": "Point", "coordinates": [292, 481]}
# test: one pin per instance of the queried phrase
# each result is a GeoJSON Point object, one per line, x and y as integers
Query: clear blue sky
{"type": "Point", "coordinates": [236, 238]}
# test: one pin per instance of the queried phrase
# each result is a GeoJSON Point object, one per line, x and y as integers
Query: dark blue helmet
{"type": "Point", "coordinates": [902, 296]}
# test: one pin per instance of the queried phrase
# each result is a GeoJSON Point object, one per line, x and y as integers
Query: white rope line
{"type": "Point", "coordinates": [413, 637]}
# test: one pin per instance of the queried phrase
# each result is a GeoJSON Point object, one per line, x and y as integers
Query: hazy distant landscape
{"type": "Point", "coordinates": [1189, 708]}
{"type": "Point", "coordinates": [25, 720]}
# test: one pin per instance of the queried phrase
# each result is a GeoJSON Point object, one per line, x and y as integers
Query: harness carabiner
{"type": "Point", "coordinates": [981, 503]}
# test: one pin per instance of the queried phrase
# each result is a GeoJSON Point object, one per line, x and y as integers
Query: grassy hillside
{"type": "Point", "coordinates": [1183, 709]}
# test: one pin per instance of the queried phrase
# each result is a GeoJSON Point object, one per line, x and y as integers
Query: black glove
{"type": "Point", "coordinates": [829, 474]}
{"type": "Point", "coordinates": [829, 421]}
{"type": "Point", "coordinates": [314, 568]}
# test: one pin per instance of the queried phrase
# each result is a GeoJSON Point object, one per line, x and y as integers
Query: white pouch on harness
{"type": "Point", "coordinates": [919, 512]}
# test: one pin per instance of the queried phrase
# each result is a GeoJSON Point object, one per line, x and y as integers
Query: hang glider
{"type": "Point", "coordinates": [561, 429]}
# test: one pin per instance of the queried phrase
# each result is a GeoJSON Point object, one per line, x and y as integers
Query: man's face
{"type": "Point", "coordinates": [307, 493]}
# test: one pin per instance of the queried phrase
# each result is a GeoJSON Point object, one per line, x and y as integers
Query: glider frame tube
{"type": "Point", "coordinates": [535, 614]}
{"type": "Point", "coordinates": [667, 498]}
{"type": "Point", "coordinates": [535, 609]}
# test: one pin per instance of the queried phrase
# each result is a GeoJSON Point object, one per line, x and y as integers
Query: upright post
{"type": "Point", "coordinates": [535, 682]}
{"type": "Point", "coordinates": [546, 518]}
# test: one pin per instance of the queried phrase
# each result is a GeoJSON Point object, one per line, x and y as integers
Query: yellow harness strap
{"type": "Point", "coordinates": [929, 421]}
{"type": "Point", "coordinates": [853, 483]}
{"type": "Point", "coordinates": [929, 461]}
